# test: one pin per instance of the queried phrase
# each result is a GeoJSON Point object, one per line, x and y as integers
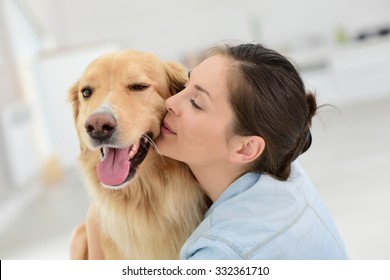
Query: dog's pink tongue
{"type": "Point", "coordinates": [114, 168]}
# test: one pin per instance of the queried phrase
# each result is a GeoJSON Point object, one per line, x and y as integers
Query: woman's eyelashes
{"type": "Point", "coordinates": [192, 100]}
{"type": "Point", "coordinates": [194, 104]}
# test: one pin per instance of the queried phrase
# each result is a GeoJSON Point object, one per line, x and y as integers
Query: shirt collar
{"type": "Point", "coordinates": [238, 186]}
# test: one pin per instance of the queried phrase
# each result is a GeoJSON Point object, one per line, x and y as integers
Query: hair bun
{"type": "Point", "coordinates": [312, 105]}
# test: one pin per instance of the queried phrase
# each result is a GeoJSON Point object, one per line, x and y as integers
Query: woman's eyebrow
{"type": "Point", "coordinates": [199, 88]}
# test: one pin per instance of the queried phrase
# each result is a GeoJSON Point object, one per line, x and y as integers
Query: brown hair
{"type": "Point", "coordinates": [269, 99]}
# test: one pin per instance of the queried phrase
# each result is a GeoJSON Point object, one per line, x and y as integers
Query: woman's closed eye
{"type": "Point", "coordinates": [194, 104]}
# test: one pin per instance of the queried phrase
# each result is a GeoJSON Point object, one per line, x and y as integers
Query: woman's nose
{"type": "Point", "coordinates": [170, 104]}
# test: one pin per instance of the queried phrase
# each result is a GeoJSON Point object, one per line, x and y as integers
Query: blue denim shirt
{"type": "Point", "coordinates": [259, 217]}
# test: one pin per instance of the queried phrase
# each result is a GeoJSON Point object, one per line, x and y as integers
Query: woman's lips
{"type": "Point", "coordinates": [166, 129]}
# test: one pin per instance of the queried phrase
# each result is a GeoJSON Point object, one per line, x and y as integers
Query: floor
{"type": "Point", "coordinates": [349, 162]}
{"type": "Point", "coordinates": [40, 226]}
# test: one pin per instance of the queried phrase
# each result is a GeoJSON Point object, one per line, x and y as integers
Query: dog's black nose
{"type": "Point", "coordinates": [100, 126]}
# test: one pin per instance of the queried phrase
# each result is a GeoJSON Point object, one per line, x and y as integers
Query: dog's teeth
{"type": "Point", "coordinates": [101, 154]}
{"type": "Point", "coordinates": [133, 150]}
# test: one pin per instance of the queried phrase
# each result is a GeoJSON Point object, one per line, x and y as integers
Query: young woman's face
{"type": "Point", "coordinates": [195, 129]}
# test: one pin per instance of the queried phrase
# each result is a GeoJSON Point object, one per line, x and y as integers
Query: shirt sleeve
{"type": "Point", "coordinates": [208, 249]}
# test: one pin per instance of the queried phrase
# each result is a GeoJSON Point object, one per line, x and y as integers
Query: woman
{"type": "Point", "coordinates": [240, 124]}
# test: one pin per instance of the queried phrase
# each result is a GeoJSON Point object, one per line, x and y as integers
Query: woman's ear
{"type": "Point", "coordinates": [246, 149]}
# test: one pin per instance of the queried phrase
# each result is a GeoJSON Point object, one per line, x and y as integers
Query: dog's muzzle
{"type": "Point", "coordinates": [118, 164]}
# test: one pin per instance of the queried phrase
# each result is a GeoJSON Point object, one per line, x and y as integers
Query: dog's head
{"type": "Point", "coordinates": [118, 105]}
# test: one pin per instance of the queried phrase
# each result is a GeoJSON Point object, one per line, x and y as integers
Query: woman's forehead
{"type": "Point", "coordinates": [211, 75]}
{"type": "Point", "coordinates": [216, 61]}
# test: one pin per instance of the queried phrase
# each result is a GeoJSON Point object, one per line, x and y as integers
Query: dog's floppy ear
{"type": "Point", "coordinates": [74, 99]}
{"type": "Point", "coordinates": [177, 77]}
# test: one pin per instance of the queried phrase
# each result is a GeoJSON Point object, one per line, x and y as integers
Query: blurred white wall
{"type": "Point", "coordinates": [9, 90]}
{"type": "Point", "coordinates": [172, 28]}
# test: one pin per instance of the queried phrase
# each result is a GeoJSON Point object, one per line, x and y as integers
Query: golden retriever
{"type": "Point", "coordinates": [147, 205]}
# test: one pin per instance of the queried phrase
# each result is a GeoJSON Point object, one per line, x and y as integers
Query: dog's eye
{"type": "Point", "coordinates": [86, 92]}
{"type": "Point", "coordinates": [138, 87]}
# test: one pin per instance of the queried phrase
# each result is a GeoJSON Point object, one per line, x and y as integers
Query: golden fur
{"type": "Point", "coordinates": [155, 212]}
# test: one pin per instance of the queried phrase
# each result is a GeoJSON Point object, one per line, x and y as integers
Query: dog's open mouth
{"type": "Point", "coordinates": [118, 165]}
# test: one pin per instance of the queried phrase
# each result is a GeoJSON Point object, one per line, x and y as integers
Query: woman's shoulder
{"type": "Point", "coordinates": [264, 198]}
{"type": "Point", "coordinates": [267, 214]}
{"type": "Point", "coordinates": [250, 212]}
